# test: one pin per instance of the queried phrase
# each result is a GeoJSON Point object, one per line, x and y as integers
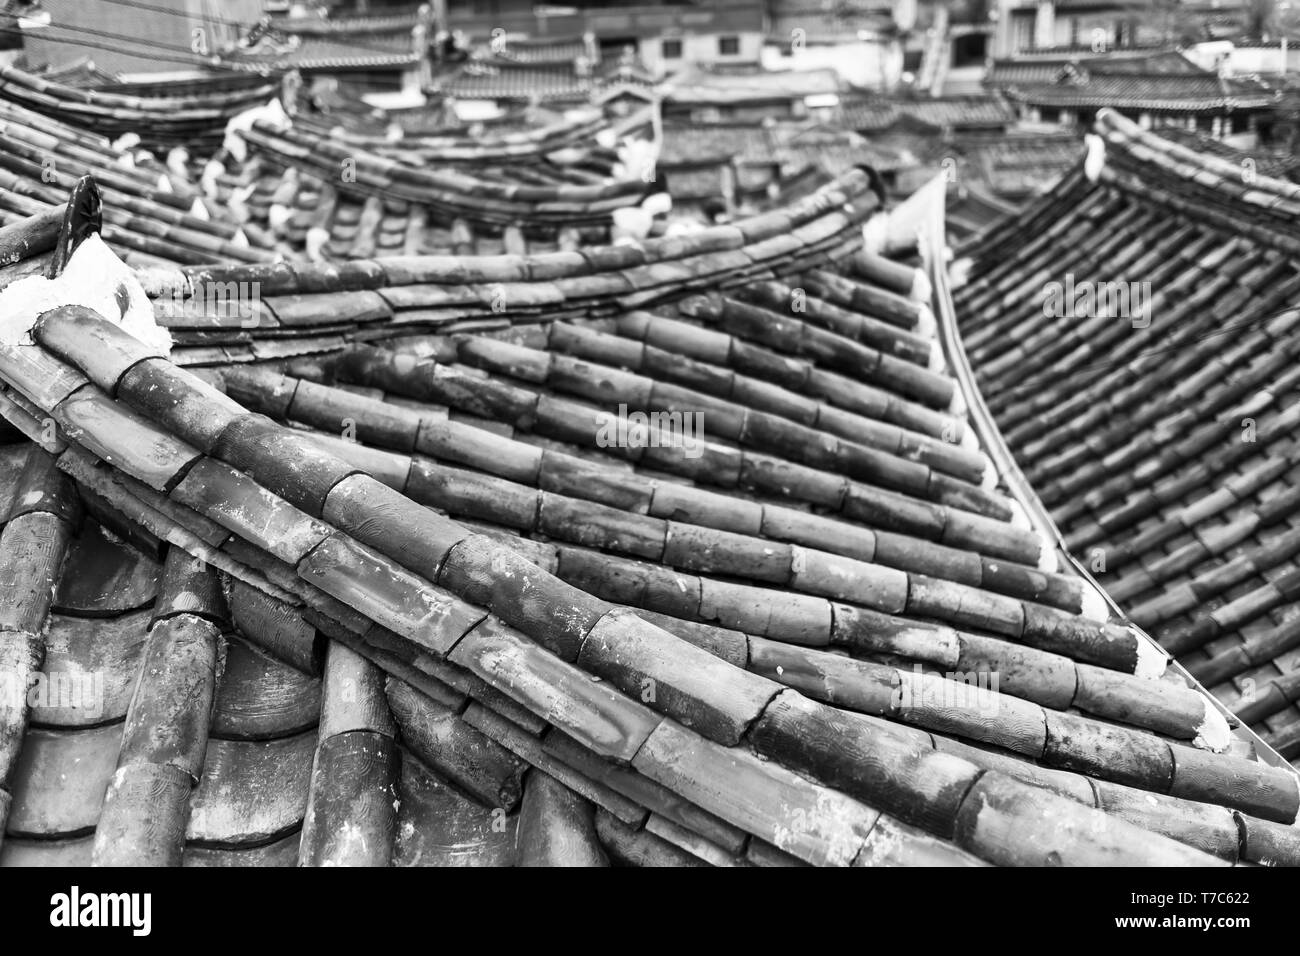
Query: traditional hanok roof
{"type": "Point", "coordinates": [557, 143]}
{"type": "Point", "coordinates": [306, 176]}
{"type": "Point", "coordinates": [548, 49]}
{"type": "Point", "coordinates": [307, 308]}
{"type": "Point", "coordinates": [1163, 444]}
{"type": "Point", "coordinates": [989, 175]}
{"type": "Point", "coordinates": [867, 115]}
{"type": "Point", "coordinates": [760, 163]}
{"type": "Point", "coordinates": [817, 21]}
{"type": "Point", "coordinates": [698, 87]}
{"type": "Point", "coordinates": [724, 141]}
{"type": "Point", "coordinates": [325, 54]}
{"type": "Point", "coordinates": [551, 69]}
{"type": "Point", "coordinates": [1165, 82]}
{"type": "Point", "coordinates": [193, 115]}
{"type": "Point", "coordinates": [503, 79]}
{"type": "Point", "coordinates": [742, 644]}
{"type": "Point", "coordinates": [155, 213]}
{"type": "Point", "coordinates": [831, 147]}
{"type": "Point", "coordinates": [1041, 69]}
{"type": "Point", "coordinates": [316, 44]}
{"type": "Point", "coordinates": [1272, 161]}
{"type": "Point", "coordinates": [1017, 164]}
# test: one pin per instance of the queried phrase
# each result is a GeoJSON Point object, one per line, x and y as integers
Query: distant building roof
{"type": "Point", "coordinates": [318, 43]}
{"type": "Point", "coordinates": [965, 112]}
{"type": "Point", "coordinates": [696, 86]}
{"type": "Point", "coordinates": [502, 80]}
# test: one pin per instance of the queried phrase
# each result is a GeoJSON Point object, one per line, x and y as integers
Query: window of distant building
{"type": "Point", "coordinates": [969, 49]}
{"type": "Point", "coordinates": [672, 49]}
{"type": "Point", "coordinates": [1022, 30]}
{"type": "Point", "coordinates": [728, 46]}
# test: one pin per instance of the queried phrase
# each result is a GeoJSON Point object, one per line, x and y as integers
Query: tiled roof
{"type": "Point", "coordinates": [381, 41]}
{"type": "Point", "coordinates": [414, 301]}
{"type": "Point", "coordinates": [419, 195]}
{"type": "Point", "coordinates": [350, 26]}
{"type": "Point", "coordinates": [1021, 163]}
{"type": "Point", "coordinates": [326, 52]}
{"type": "Point", "coordinates": [701, 143]}
{"type": "Point", "coordinates": [875, 114]}
{"type": "Point", "coordinates": [576, 132]}
{"type": "Point", "coordinates": [540, 199]}
{"type": "Point", "coordinates": [744, 644]}
{"type": "Point", "coordinates": [1042, 68]}
{"type": "Point", "coordinates": [153, 215]}
{"type": "Point", "coordinates": [375, 553]}
{"type": "Point", "coordinates": [1276, 162]}
{"type": "Point", "coordinates": [700, 87]}
{"type": "Point", "coordinates": [503, 80]}
{"type": "Point", "coordinates": [191, 116]}
{"type": "Point", "coordinates": [1164, 451]}
{"type": "Point", "coordinates": [1165, 81]}
{"type": "Point", "coordinates": [550, 50]}
{"type": "Point", "coordinates": [764, 157]}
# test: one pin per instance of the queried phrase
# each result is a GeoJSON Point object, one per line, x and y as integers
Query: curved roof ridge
{"type": "Point", "coordinates": [456, 189]}
{"type": "Point", "coordinates": [1233, 181]}
{"type": "Point", "coordinates": [170, 120]}
{"type": "Point", "coordinates": [1125, 428]}
{"type": "Point", "coordinates": [508, 143]}
{"type": "Point", "coordinates": [400, 294]}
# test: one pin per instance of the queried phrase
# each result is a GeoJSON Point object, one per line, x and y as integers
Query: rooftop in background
{"type": "Point", "coordinates": [317, 44]}
{"type": "Point", "coordinates": [874, 114]}
{"type": "Point", "coordinates": [1152, 81]}
{"type": "Point", "coordinates": [613, 21]}
{"type": "Point", "coordinates": [696, 88]}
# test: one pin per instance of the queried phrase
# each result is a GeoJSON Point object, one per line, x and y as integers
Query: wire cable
{"type": "Point", "coordinates": [349, 39]}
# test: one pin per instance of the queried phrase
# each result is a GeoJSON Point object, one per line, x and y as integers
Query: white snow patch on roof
{"type": "Point", "coordinates": [95, 278]}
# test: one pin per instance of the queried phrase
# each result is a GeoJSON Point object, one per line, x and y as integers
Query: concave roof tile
{"type": "Point", "coordinates": [430, 538]}
{"type": "Point", "coordinates": [1163, 447]}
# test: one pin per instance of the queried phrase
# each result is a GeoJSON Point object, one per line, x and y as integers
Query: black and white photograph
{"type": "Point", "coordinates": [760, 433]}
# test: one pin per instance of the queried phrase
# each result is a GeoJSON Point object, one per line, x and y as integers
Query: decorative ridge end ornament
{"type": "Point", "coordinates": [82, 218]}
{"type": "Point", "coordinates": [1095, 160]}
